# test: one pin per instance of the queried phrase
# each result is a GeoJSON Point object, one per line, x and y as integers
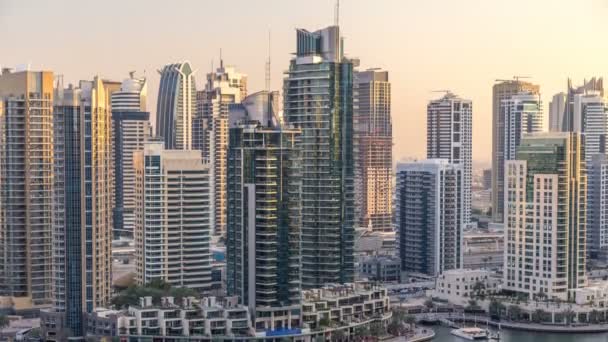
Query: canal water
{"type": "Point", "coordinates": [442, 334]}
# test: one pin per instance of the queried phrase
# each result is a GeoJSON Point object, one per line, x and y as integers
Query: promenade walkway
{"type": "Point", "coordinates": [451, 318]}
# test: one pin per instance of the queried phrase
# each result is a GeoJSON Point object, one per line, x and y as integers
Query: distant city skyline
{"type": "Point", "coordinates": [398, 36]}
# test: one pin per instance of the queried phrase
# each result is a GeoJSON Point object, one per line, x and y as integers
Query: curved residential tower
{"type": "Point", "coordinates": [176, 106]}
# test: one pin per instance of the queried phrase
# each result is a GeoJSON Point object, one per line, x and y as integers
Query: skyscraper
{"type": "Point", "coordinates": [429, 216]}
{"type": "Point", "coordinates": [590, 112]}
{"type": "Point", "coordinates": [264, 216]}
{"type": "Point", "coordinates": [523, 114]}
{"type": "Point", "coordinates": [373, 139]}
{"type": "Point", "coordinates": [131, 129]}
{"type": "Point", "coordinates": [224, 87]}
{"type": "Point", "coordinates": [26, 185]}
{"type": "Point", "coordinates": [545, 203]}
{"type": "Point", "coordinates": [172, 217]}
{"type": "Point", "coordinates": [318, 99]}
{"type": "Point", "coordinates": [176, 105]}
{"type": "Point", "coordinates": [571, 118]}
{"type": "Point", "coordinates": [557, 108]}
{"type": "Point", "coordinates": [500, 91]}
{"type": "Point", "coordinates": [83, 223]}
{"type": "Point", "coordinates": [597, 206]}
{"type": "Point", "coordinates": [449, 136]}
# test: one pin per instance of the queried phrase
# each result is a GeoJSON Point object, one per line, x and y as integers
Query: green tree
{"type": "Point", "coordinates": [324, 322]}
{"type": "Point", "coordinates": [472, 305]}
{"type": "Point", "coordinates": [411, 321]}
{"type": "Point", "coordinates": [4, 321]}
{"type": "Point", "coordinates": [594, 317]}
{"type": "Point", "coordinates": [496, 308]}
{"type": "Point", "coordinates": [394, 328]}
{"type": "Point", "coordinates": [478, 289]}
{"type": "Point", "coordinates": [362, 331]}
{"type": "Point", "coordinates": [338, 335]}
{"type": "Point", "coordinates": [514, 312]}
{"type": "Point", "coordinates": [540, 316]}
{"type": "Point", "coordinates": [377, 329]}
{"type": "Point", "coordinates": [429, 304]}
{"type": "Point", "coordinates": [569, 315]}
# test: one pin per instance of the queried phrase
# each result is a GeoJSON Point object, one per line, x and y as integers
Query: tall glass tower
{"type": "Point", "coordinates": [264, 216]}
{"type": "Point", "coordinates": [83, 224]}
{"type": "Point", "coordinates": [318, 99]}
{"type": "Point", "coordinates": [176, 106]}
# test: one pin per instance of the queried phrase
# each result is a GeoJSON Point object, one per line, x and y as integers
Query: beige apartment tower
{"type": "Point", "coordinates": [26, 185]}
{"type": "Point", "coordinates": [545, 216]}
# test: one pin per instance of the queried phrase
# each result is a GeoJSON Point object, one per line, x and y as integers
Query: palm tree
{"type": "Point", "coordinates": [429, 304]}
{"type": "Point", "coordinates": [4, 321]}
{"type": "Point", "coordinates": [540, 316]}
{"type": "Point", "coordinates": [411, 320]}
{"type": "Point", "coordinates": [594, 317]}
{"type": "Point", "coordinates": [362, 331]}
{"type": "Point", "coordinates": [338, 335]}
{"type": "Point", "coordinates": [514, 312]}
{"type": "Point", "coordinates": [496, 308]}
{"type": "Point", "coordinates": [377, 329]}
{"type": "Point", "coordinates": [569, 315]}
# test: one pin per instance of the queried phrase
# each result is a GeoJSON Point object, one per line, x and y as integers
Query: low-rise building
{"type": "Point", "coordinates": [460, 285]}
{"type": "Point", "coordinates": [483, 249]}
{"type": "Point", "coordinates": [595, 294]}
{"type": "Point", "coordinates": [380, 268]}
{"type": "Point", "coordinates": [323, 311]}
{"type": "Point", "coordinates": [209, 316]}
{"type": "Point", "coordinates": [344, 304]}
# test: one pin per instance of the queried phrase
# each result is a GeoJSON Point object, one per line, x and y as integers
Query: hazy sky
{"type": "Point", "coordinates": [461, 45]}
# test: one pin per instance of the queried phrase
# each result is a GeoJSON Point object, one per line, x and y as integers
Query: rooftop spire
{"type": "Point", "coordinates": [337, 14]}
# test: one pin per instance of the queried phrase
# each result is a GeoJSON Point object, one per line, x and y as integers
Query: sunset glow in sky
{"type": "Point", "coordinates": [461, 45]}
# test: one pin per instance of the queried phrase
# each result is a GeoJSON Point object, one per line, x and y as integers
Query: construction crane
{"type": "Point", "coordinates": [516, 78]}
{"type": "Point", "coordinates": [444, 91]}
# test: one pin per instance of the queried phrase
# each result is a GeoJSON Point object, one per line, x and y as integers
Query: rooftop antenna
{"type": "Point", "coordinates": [221, 60]}
{"type": "Point", "coordinates": [337, 13]}
{"type": "Point", "coordinates": [267, 75]}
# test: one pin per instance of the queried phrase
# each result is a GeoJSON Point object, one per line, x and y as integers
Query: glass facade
{"type": "Point", "coordinates": [318, 99]}
{"type": "Point", "coordinates": [264, 210]}
{"type": "Point", "coordinates": [176, 106]}
{"type": "Point", "coordinates": [83, 226]}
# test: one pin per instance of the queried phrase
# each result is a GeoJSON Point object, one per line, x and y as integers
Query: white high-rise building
{"type": "Point", "coordinates": [545, 223]}
{"type": "Point", "coordinates": [591, 118]}
{"type": "Point", "coordinates": [172, 217]}
{"type": "Point", "coordinates": [130, 130]}
{"type": "Point", "coordinates": [449, 136]}
{"type": "Point", "coordinates": [597, 207]}
{"type": "Point", "coordinates": [523, 114]}
{"type": "Point", "coordinates": [224, 87]}
{"type": "Point", "coordinates": [429, 216]}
